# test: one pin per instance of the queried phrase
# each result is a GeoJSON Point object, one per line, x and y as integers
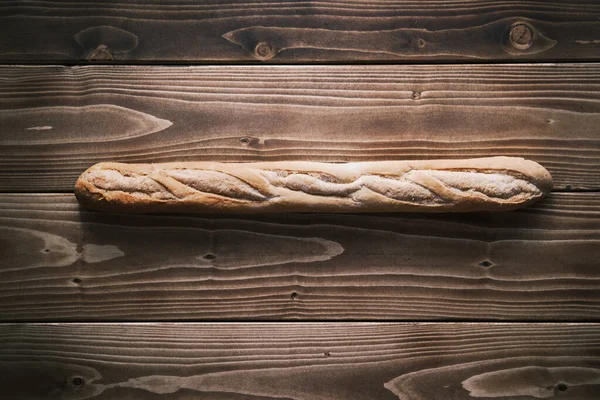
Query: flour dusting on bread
{"type": "Point", "coordinates": [484, 184]}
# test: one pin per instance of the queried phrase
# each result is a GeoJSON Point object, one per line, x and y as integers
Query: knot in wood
{"type": "Point", "coordinates": [100, 53]}
{"type": "Point", "coordinates": [78, 382]}
{"type": "Point", "coordinates": [521, 36]}
{"type": "Point", "coordinates": [264, 51]}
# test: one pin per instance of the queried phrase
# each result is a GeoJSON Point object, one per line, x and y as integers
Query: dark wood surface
{"type": "Point", "coordinates": [58, 121]}
{"type": "Point", "coordinates": [350, 361]}
{"type": "Point", "coordinates": [61, 262]}
{"type": "Point", "coordinates": [298, 31]}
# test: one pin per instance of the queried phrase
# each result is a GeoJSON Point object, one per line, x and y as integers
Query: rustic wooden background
{"type": "Point", "coordinates": [298, 306]}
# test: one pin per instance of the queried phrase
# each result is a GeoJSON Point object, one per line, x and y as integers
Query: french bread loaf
{"type": "Point", "coordinates": [482, 184]}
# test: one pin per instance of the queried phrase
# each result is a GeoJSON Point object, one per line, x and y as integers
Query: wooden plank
{"type": "Point", "coordinates": [57, 121]}
{"type": "Point", "coordinates": [62, 263]}
{"type": "Point", "coordinates": [351, 361]}
{"type": "Point", "coordinates": [299, 31]}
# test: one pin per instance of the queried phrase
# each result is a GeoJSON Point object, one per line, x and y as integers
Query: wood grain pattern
{"type": "Point", "coordinates": [59, 262]}
{"type": "Point", "coordinates": [298, 31]}
{"type": "Point", "coordinates": [62, 263]}
{"type": "Point", "coordinates": [352, 361]}
{"type": "Point", "coordinates": [58, 121]}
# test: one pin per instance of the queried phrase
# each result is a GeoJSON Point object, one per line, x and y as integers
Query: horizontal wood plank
{"type": "Point", "coordinates": [60, 262]}
{"type": "Point", "coordinates": [57, 121]}
{"type": "Point", "coordinates": [352, 361]}
{"type": "Point", "coordinates": [298, 31]}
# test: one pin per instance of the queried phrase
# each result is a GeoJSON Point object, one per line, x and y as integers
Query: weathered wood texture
{"type": "Point", "coordinates": [63, 263]}
{"type": "Point", "coordinates": [57, 121]}
{"type": "Point", "coordinates": [300, 361]}
{"type": "Point", "coordinates": [298, 31]}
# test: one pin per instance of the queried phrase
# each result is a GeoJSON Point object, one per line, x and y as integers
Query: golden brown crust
{"type": "Point", "coordinates": [483, 184]}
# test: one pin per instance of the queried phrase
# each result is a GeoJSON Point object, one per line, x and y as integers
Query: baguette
{"type": "Point", "coordinates": [482, 184]}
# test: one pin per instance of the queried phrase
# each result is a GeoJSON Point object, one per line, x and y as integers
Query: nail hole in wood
{"type": "Point", "coordinates": [46, 250]}
{"type": "Point", "coordinates": [421, 43]}
{"type": "Point", "coordinates": [416, 95]}
{"type": "Point", "coordinates": [327, 354]}
{"type": "Point", "coordinates": [294, 295]}
{"type": "Point", "coordinates": [562, 387]}
{"type": "Point", "coordinates": [486, 263]}
{"type": "Point", "coordinates": [76, 281]}
{"type": "Point", "coordinates": [210, 256]}
{"type": "Point", "coordinates": [245, 140]}
{"type": "Point", "coordinates": [78, 382]}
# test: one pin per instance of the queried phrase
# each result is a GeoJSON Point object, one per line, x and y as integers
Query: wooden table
{"type": "Point", "coordinates": [298, 306]}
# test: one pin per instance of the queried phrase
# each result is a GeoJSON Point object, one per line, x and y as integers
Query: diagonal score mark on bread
{"type": "Point", "coordinates": [484, 184]}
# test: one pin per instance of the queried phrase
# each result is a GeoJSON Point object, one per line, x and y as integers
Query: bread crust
{"type": "Point", "coordinates": [481, 184]}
